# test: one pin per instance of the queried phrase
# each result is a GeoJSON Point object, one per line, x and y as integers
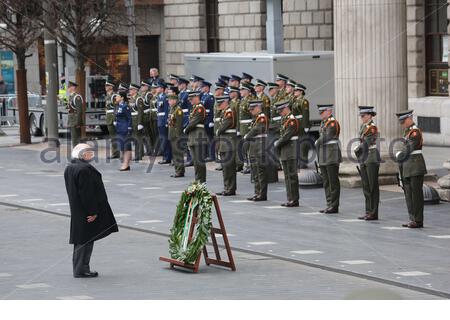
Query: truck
{"type": "Point", "coordinates": [313, 69]}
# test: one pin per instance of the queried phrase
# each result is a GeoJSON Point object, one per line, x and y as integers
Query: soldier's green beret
{"type": "Point", "coordinates": [404, 114]}
{"type": "Point", "coordinates": [282, 104]}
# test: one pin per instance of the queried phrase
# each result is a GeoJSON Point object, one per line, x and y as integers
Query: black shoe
{"type": "Point", "coordinates": [332, 210]}
{"type": "Point", "coordinates": [219, 168]}
{"type": "Point", "coordinates": [371, 217]}
{"type": "Point", "coordinates": [227, 194]}
{"type": "Point", "coordinates": [246, 171]}
{"type": "Point", "coordinates": [92, 274]}
{"type": "Point", "coordinates": [188, 164]}
{"type": "Point", "coordinates": [125, 169]}
{"type": "Point", "coordinates": [208, 159]}
{"type": "Point", "coordinates": [177, 175]}
{"type": "Point", "coordinates": [252, 198]}
{"type": "Point", "coordinates": [164, 162]}
{"type": "Point", "coordinates": [291, 204]}
{"type": "Point", "coordinates": [260, 199]}
{"type": "Point", "coordinates": [323, 210]}
{"type": "Point", "coordinates": [363, 217]}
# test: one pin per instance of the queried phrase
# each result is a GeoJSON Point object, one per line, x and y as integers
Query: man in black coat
{"type": "Point", "coordinates": [91, 216]}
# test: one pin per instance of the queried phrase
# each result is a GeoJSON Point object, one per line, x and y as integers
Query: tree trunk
{"type": "Point", "coordinates": [80, 79]}
{"type": "Point", "coordinates": [22, 102]}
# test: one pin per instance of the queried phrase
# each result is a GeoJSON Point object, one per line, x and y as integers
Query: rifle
{"type": "Point", "coordinates": [400, 178]}
{"type": "Point", "coordinates": [359, 171]}
{"type": "Point", "coordinates": [317, 167]}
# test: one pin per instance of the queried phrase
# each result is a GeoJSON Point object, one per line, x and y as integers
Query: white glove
{"type": "Point", "coordinates": [211, 124]}
{"type": "Point", "coordinates": [306, 129]}
{"type": "Point", "coordinates": [316, 143]}
{"type": "Point", "coordinates": [275, 144]}
{"type": "Point", "coordinates": [140, 127]}
{"type": "Point", "coordinates": [115, 123]}
{"type": "Point", "coordinates": [245, 137]}
{"type": "Point", "coordinates": [184, 130]}
{"type": "Point", "coordinates": [397, 154]}
{"type": "Point", "coordinates": [238, 134]}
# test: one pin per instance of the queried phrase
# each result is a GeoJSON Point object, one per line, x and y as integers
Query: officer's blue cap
{"type": "Point", "coordinates": [206, 84]}
{"type": "Point", "coordinates": [183, 80]}
{"type": "Point", "coordinates": [161, 84]}
{"type": "Point", "coordinates": [220, 85]}
{"type": "Point", "coordinates": [247, 76]}
{"type": "Point", "coordinates": [196, 78]}
{"type": "Point", "coordinates": [235, 77]}
{"type": "Point", "coordinates": [224, 78]}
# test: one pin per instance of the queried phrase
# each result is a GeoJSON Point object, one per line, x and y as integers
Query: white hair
{"type": "Point", "coordinates": [79, 150]}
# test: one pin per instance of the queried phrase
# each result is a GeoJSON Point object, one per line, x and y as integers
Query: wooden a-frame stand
{"type": "Point", "coordinates": [218, 260]}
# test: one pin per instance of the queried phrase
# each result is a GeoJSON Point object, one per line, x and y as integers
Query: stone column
{"type": "Point", "coordinates": [370, 69]}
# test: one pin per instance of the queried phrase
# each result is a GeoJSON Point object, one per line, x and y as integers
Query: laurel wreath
{"type": "Point", "coordinates": [195, 196]}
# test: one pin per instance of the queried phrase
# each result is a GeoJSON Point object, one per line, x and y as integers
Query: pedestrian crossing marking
{"type": "Point", "coordinates": [393, 228]}
{"type": "Point", "coordinates": [58, 204]}
{"type": "Point", "coordinates": [307, 252]}
{"type": "Point", "coordinates": [444, 236]}
{"type": "Point", "coordinates": [275, 207]}
{"type": "Point", "coordinates": [356, 262]}
{"type": "Point", "coordinates": [149, 221]}
{"type": "Point", "coordinates": [125, 184]}
{"type": "Point", "coordinates": [261, 243]}
{"type": "Point", "coordinates": [75, 298]}
{"type": "Point", "coordinates": [5, 275]}
{"type": "Point", "coordinates": [54, 175]}
{"type": "Point", "coordinates": [120, 215]}
{"type": "Point", "coordinates": [218, 235]}
{"type": "Point", "coordinates": [310, 213]}
{"type": "Point", "coordinates": [151, 188]}
{"type": "Point", "coordinates": [33, 172]}
{"type": "Point", "coordinates": [31, 200]}
{"type": "Point", "coordinates": [14, 170]}
{"type": "Point", "coordinates": [176, 191]}
{"type": "Point", "coordinates": [33, 286]}
{"type": "Point", "coordinates": [240, 201]}
{"type": "Point", "coordinates": [412, 273]}
{"type": "Point", "coordinates": [350, 220]}
{"type": "Point", "coordinates": [8, 195]}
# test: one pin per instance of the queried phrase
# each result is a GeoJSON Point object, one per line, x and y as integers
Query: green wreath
{"type": "Point", "coordinates": [196, 196]}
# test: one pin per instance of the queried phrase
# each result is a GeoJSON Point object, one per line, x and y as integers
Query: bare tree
{"type": "Point", "coordinates": [19, 31]}
{"type": "Point", "coordinates": [80, 26]}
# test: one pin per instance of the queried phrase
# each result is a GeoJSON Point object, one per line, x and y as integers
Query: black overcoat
{"type": "Point", "coordinates": [87, 197]}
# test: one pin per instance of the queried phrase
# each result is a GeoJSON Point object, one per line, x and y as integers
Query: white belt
{"type": "Point", "coordinates": [217, 119]}
{"type": "Point", "coordinates": [161, 113]}
{"type": "Point", "coordinates": [332, 142]}
{"type": "Point", "coordinates": [373, 147]}
{"type": "Point", "coordinates": [299, 117]}
{"type": "Point", "coordinates": [185, 110]}
{"type": "Point", "coordinates": [230, 131]}
{"type": "Point", "coordinates": [154, 109]}
{"type": "Point", "coordinates": [245, 121]}
{"type": "Point", "coordinates": [207, 110]}
{"type": "Point", "coordinates": [294, 138]}
{"type": "Point", "coordinates": [276, 118]}
{"type": "Point", "coordinates": [147, 110]}
{"type": "Point", "coordinates": [134, 113]}
{"type": "Point", "coordinates": [417, 152]}
{"type": "Point", "coordinates": [200, 125]}
{"type": "Point", "coordinates": [109, 111]}
{"type": "Point", "coordinates": [264, 135]}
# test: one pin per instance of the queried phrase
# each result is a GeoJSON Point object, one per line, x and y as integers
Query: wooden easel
{"type": "Point", "coordinates": [218, 260]}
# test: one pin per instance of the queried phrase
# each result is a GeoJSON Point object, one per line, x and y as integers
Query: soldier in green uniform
{"type": "Point", "coordinates": [287, 148]}
{"type": "Point", "coordinates": [147, 97]}
{"type": "Point", "coordinates": [235, 102]}
{"type": "Point", "coordinates": [218, 92]}
{"type": "Point", "coordinates": [75, 113]}
{"type": "Point", "coordinates": [176, 136]}
{"type": "Point", "coordinates": [274, 123]}
{"type": "Point", "coordinates": [412, 168]}
{"type": "Point", "coordinates": [300, 109]}
{"type": "Point", "coordinates": [369, 158]}
{"type": "Point", "coordinates": [281, 80]}
{"type": "Point", "coordinates": [197, 138]}
{"type": "Point", "coordinates": [136, 104]}
{"type": "Point", "coordinates": [260, 86]}
{"type": "Point", "coordinates": [290, 86]}
{"type": "Point", "coordinates": [329, 157]}
{"type": "Point", "coordinates": [110, 108]}
{"type": "Point", "coordinates": [154, 133]}
{"type": "Point", "coordinates": [226, 133]}
{"type": "Point", "coordinates": [257, 138]}
{"type": "Point", "coordinates": [245, 119]}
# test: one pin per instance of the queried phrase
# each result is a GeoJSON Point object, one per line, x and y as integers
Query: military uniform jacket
{"type": "Point", "coordinates": [226, 130]}
{"type": "Point", "coordinates": [175, 122]}
{"type": "Point", "coordinates": [300, 109]}
{"type": "Point", "coordinates": [196, 126]}
{"type": "Point", "coordinates": [123, 116]}
{"type": "Point", "coordinates": [185, 105]}
{"type": "Point", "coordinates": [266, 104]}
{"type": "Point", "coordinates": [153, 109]}
{"type": "Point", "coordinates": [137, 111]}
{"type": "Point", "coordinates": [147, 97]}
{"type": "Point", "coordinates": [234, 105]}
{"type": "Point", "coordinates": [245, 117]}
{"type": "Point", "coordinates": [410, 157]}
{"type": "Point", "coordinates": [74, 109]}
{"type": "Point", "coordinates": [275, 118]}
{"type": "Point", "coordinates": [257, 135]}
{"type": "Point", "coordinates": [366, 151]}
{"type": "Point", "coordinates": [110, 108]}
{"type": "Point", "coordinates": [287, 143]}
{"type": "Point", "coordinates": [162, 107]}
{"type": "Point", "coordinates": [208, 102]}
{"type": "Point", "coordinates": [327, 145]}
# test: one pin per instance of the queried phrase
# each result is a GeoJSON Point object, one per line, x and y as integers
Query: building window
{"type": "Point", "coordinates": [436, 47]}
{"type": "Point", "coordinates": [212, 25]}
